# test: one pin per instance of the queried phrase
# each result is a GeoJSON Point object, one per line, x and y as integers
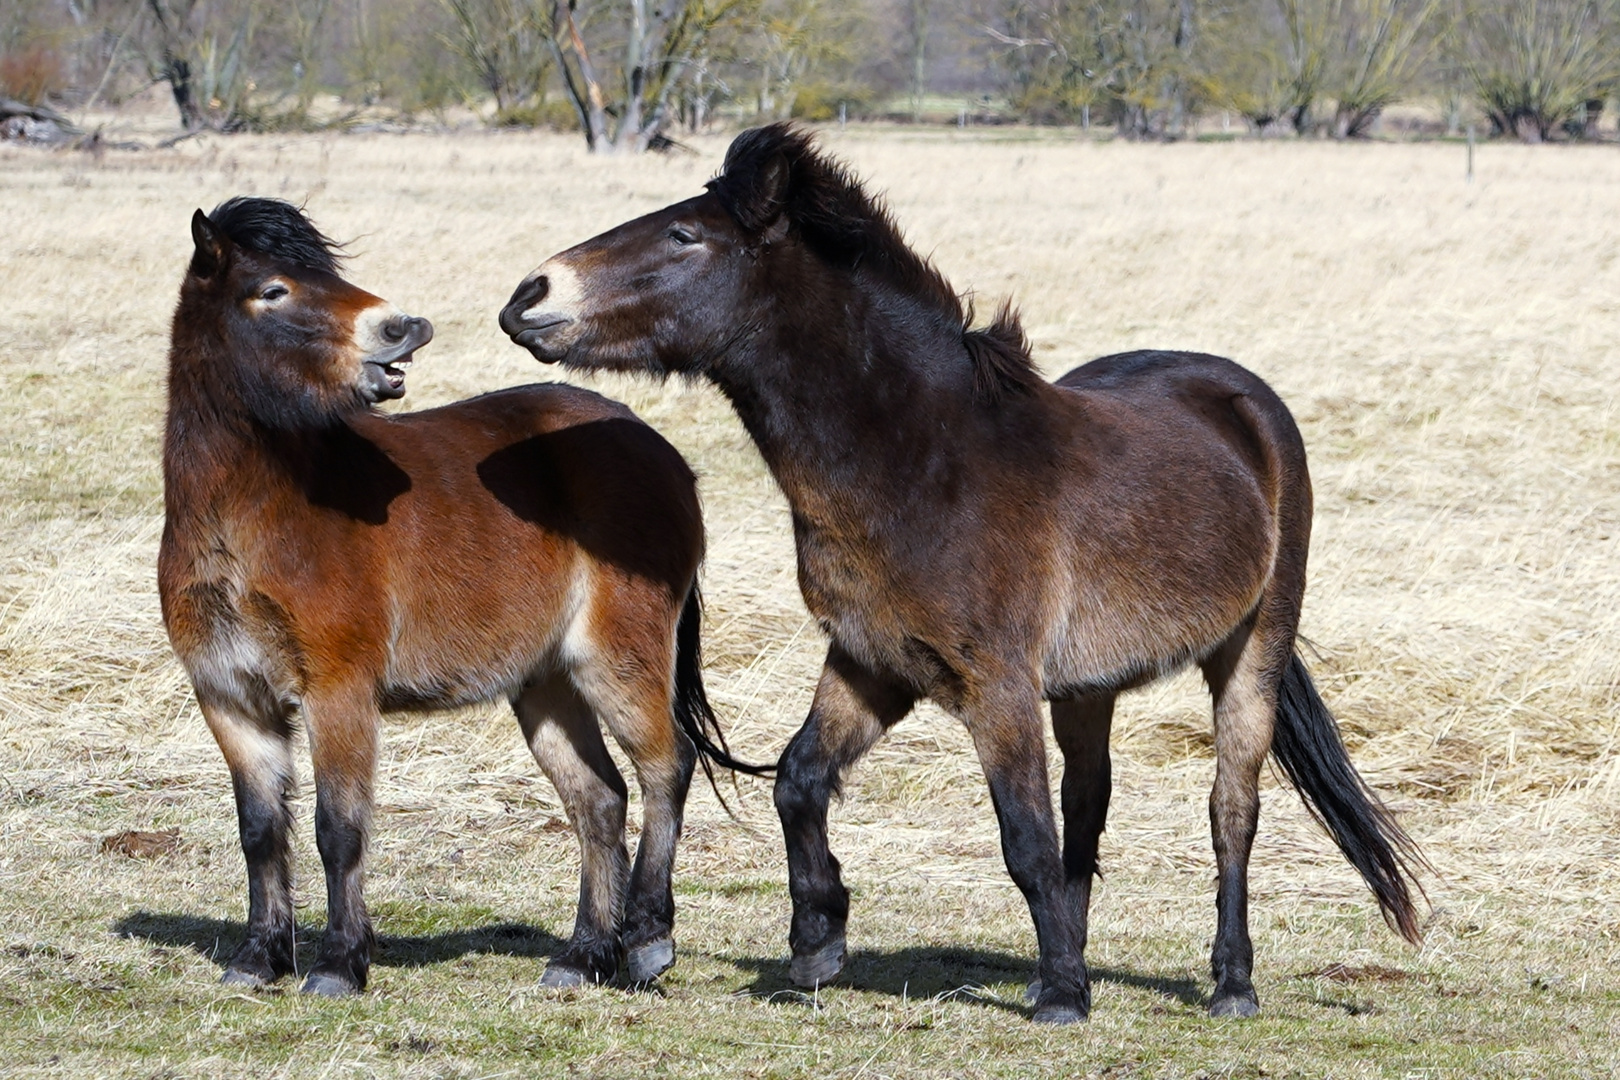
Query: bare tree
{"type": "Point", "coordinates": [918, 10]}
{"type": "Point", "coordinates": [800, 41]}
{"type": "Point", "coordinates": [201, 52]}
{"type": "Point", "coordinates": [657, 48]}
{"type": "Point", "coordinates": [506, 43]}
{"type": "Point", "coordinates": [1267, 61]}
{"type": "Point", "coordinates": [1130, 56]}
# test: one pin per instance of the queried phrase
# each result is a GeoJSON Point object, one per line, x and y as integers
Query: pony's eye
{"type": "Point", "coordinates": [273, 292]}
{"type": "Point", "coordinates": [681, 236]}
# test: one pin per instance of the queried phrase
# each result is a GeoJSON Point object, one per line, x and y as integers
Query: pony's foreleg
{"type": "Point", "coordinates": [1242, 677]}
{"type": "Point", "coordinates": [1081, 727]}
{"type": "Point", "coordinates": [259, 757]}
{"type": "Point", "coordinates": [851, 710]}
{"type": "Point", "coordinates": [343, 746]}
{"type": "Point", "coordinates": [1005, 722]}
{"type": "Point", "coordinates": [563, 734]}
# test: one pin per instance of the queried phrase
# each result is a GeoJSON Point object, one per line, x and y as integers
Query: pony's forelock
{"type": "Point", "coordinates": [278, 229]}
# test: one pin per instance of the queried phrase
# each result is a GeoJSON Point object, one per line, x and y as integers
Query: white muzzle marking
{"type": "Point", "coordinates": [564, 298]}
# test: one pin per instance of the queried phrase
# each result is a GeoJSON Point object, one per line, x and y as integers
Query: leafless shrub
{"type": "Point", "coordinates": [1268, 60]}
{"type": "Point", "coordinates": [1134, 58]}
{"type": "Point", "coordinates": [1540, 65]}
{"type": "Point", "coordinates": [506, 44]}
{"type": "Point", "coordinates": [1379, 52]}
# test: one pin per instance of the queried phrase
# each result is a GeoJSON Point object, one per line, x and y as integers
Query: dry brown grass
{"type": "Point", "coordinates": [1446, 347]}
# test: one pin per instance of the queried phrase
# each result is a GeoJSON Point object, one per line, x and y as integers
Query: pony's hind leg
{"type": "Point", "coordinates": [565, 738]}
{"type": "Point", "coordinates": [628, 684]}
{"type": "Point", "coordinates": [342, 729]}
{"type": "Point", "coordinates": [851, 710]}
{"type": "Point", "coordinates": [1081, 726]}
{"type": "Point", "coordinates": [259, 756]}
{"type": "Point", "coordinates": [664, 758]}
{"type": "Point", "coordinates": [1005, 723]}
{"type": "Point", "coordinates": [1243, 676]}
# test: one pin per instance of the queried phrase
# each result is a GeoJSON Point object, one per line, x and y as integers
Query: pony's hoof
{"type": "Point", "coordinates": [1238, 1006]}
{"type": "Point", "coordinates": [561, 975]}
{"type": "Point", "coordinates": [647, 961]}
{"type": "Point", "coordinates": [1058, 1014]}
{"type": "Point", "coordinates": [1058, 1008]}
{"type": "Point", "coordinates": [324, 984]}
{"type": "Point", "coordinates": [246, 980]}
{"type": "Point", "coordinates": [820, 967]}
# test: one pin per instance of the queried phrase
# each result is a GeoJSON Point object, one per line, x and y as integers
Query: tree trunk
{"type": "Point", "coordinates": [1186, 42]}
{"type": "Point", "coordinates": [176, 69]}
{"type": "Point", "coordinates": [1530, 128]}
{"type": "Point", "coordinates": [629, 134]}
{"type": "Point", "coordinates": [1590, 117]}
{"type": "Point", "coordinates": [919, 57]}
{"type": "Point", "coordinates": [583, 87]}
{"type": "Point", "coordinates": [178, 74]}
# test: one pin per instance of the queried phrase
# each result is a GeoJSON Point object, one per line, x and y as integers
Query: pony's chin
{"type": "Point", "coordinates": [543, 350]}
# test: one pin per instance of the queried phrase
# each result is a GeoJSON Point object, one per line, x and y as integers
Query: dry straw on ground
{"type": "Point", "coordinates": [1446, 346]}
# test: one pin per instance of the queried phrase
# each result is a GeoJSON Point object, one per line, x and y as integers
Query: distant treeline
{"type": "Point", "coordinates": [631, 74]}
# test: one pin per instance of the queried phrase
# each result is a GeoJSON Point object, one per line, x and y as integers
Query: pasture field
{"type": "Point", "coordinates": [1449, 350]}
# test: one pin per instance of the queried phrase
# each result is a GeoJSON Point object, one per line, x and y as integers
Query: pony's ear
{"type": "Point", "coordinates": [771, 197]}
{"type": "Point", "coordinates": [756, 194]}
{"type": "Point", "coordinates": [212, 246]}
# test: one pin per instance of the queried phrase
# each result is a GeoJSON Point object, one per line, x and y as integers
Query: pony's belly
{"type": "Point", "coordinates": [443, 686]}
{"type": "Point", "coordinates": [1078, 670]}
{"type": "Point", "coordinates": [432, 666]}
{"type": "Point", "coordinates": [451, 646]}
{"type": "Point", "coordinates": [1108, 648]}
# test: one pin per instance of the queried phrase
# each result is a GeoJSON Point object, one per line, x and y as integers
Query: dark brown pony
{"type": "Point", "coordinates": [970, 533]}
{"type": "Point", "coordinates": [323, 562]}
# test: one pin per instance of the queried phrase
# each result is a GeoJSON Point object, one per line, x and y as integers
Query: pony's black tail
{"type": "Point", "coordinates": [692, 709]}
{"type": "Point", "coordinates": [1307, 745]}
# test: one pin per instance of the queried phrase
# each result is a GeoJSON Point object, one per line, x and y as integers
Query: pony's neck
{"type": "Point", "coordinates": [213, 444]}
{"type": "Point", "coordinates": [856, 393]}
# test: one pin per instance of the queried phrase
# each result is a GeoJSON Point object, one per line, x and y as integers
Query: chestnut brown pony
{"type": "Point", "coordinates": [323, 562]}
{"type": "Point", "coordinates": [970, 533]}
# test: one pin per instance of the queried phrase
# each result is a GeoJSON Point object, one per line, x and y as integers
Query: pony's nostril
{"type": "Point", "coordinates": [528, 293]}
{"type": "Point", "coordinates": [395, 329]}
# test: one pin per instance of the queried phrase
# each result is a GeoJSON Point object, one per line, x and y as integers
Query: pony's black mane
{"type": "Point", "coordinates": [847, 227]}
{"type": "Point", "coordinates": [278, 229]}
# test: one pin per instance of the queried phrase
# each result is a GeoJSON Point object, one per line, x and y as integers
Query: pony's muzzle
{"type": "Point", "coordinates": [530, 291]}
{"type": "Point", "coordinates": [409, 331]}
{"type": "Point", "coordinates": [384, 370]}
{"type": "Point", "coordinates": [535, 316]}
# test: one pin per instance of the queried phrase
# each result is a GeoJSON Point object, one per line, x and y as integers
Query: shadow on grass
{"type": "Point", "coordinates": [929, 972]}
{"type": "Point", "coordinates": [217, 939]}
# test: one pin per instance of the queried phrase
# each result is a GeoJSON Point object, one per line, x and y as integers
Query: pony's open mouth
{"type": "Point", "coordinates": [395, 372]}
{"type": "Point", "coordinates": [385, 371]}
{"type": "Point", "coordinates": [385, 379]}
